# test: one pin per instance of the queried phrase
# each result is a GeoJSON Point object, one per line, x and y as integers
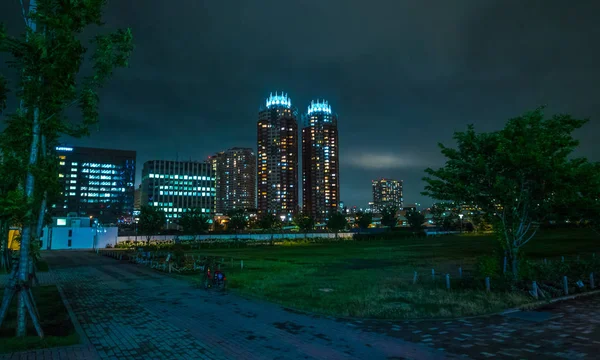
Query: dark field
{"type": "Point", "coordinates": [374, 279]}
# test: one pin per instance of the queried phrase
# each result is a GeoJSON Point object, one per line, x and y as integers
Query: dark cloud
{"type": "Point", "coordinates": [402, 75]}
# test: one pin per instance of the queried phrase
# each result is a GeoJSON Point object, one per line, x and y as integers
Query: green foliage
{"type": "Point", "coordinates": [388, 216]}
{"type": "Point", "coordinates": [415, 219]}
{"type": "Point", "coordinates": [481, 222]}
{"type": "Point", "coordinates": [194, 222]}
{"type": "Point", "coordinates": [520, 173]}
{"type": "Point", "coordinates": [337, 222]}
{"type": "Point", "coordinates": [363, 220]}
{"type": "Point", "coordinates": [237, 220]}
{"type": "Point", "coordinates": [304, 222]}
{"type": "Point", "coordinates": [152, 220]}
{"type": "Point", "coordinates": [488, 266]}
{"type": "Point", "coordinates": [269, 222]}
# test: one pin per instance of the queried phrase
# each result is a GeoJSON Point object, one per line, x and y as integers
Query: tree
{"type": "Point", "coordinates": [48, 59]}
{"type": "Point", "coordinates": [438, 212]}
{"type": "Point", "coordinates": [516, 175]}
{"type": "Point", "coordinates": [363, 220]}
{"type": "Point", "coordinates": [480, 221]}
{"type": "Point", "coordinates": [270, 223]}
{"type": "Point", "coordinates": [237, 220]}
{"type": "Point", "coordinates": [304, 222]}
{"type": "Point", "coordinates": [388, 216]}
{"type": "Point", "coordinates": [152, 220]}
{"type": "Point", "coordinates": [415, 220]}
{"type": "Point", "coordinates": [193, 222]}
{"type": "Point", "coordinates": [336, 223]}
{"type": "Point", "coordinates": [583, 206]}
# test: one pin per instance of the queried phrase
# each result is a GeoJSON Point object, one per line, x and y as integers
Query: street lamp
{"type": "Point", "coordinates": [460, 216]}
{"type": "Point", "coordinates": [282, 217]}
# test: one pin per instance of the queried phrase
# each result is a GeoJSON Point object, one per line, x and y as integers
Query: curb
{"type": "Point", "coordinates": [82, 335]}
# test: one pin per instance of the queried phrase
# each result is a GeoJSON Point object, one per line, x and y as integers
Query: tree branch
{"type": "Point", "coordinates": [529, 238]}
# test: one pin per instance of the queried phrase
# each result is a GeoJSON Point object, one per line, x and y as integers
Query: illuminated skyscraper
{"type": "Point", "coordinates": [176, 186]}
{"type": "Point", "coordinates": [320, 162]}
{"type": "Point", "coordinates": [235, 176]}
{"type": "Point", "coordinates": [96, 182]}
{"type": "Point", "coordinates": [387, 192]}
{"type": "Point", "coordinates": [277, 157]}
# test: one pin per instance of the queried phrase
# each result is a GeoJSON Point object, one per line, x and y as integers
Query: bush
{"type": "Point", "coordinates": [488, 266]}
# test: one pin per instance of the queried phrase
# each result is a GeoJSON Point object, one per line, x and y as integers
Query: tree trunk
{"type": "Point", "coordinates": [514, 260]}
{"type": "Point", "coordinates": [4, 262]}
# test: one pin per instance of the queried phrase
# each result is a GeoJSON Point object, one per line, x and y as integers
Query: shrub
{"type": "Point", "coordinates": [488, 266]}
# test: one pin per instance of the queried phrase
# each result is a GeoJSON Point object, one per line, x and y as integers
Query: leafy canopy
{"type": "Point", "coordinates": [364, 220]}
{"type": "Point", "coordinates": [304, 222]}
{"type": "Point", "coordinates": [151, 221]}
{"type": "Point", "coordinates": [519, 174]}
{"type": "Point", "coordinates": [337, 222]}
{"type": "Point", "coordinates": [194, 222]}
{"type": "Point", "coordinates": [388, 216]}
{"type": "Point", "coordinates": [237, 220]}
{"type": "Point", "coordinates": [415, 219]}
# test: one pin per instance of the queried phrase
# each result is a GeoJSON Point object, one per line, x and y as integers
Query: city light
{"type": "Point", "coordinates": [279, 100]}
{"type": "Point", "coordinates": [319, 107]}
{"type": "Point", "coordinates": [62, 148]}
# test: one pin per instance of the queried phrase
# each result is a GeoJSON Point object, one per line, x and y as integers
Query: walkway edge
{"type": "Point", "coordinates": [82, 335]}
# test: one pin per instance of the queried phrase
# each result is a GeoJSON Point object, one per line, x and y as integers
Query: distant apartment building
{"type": "Point", "coordinates": [235, 179]}
{"type": "Point", "coordinates": [320, 162]}
{"type": "Point", "coordinates": [137, 198]}
{"type": "Point", "coordinates": [277, 158]}
{"type": "Point", "coordinates": [387, 193]}
{"type": "Point", "coordinates": [96, 183]}
{"type": "Point", "coordinates": [176, 186]}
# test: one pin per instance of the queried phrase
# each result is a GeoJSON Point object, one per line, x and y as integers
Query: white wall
{"type": "Point", "coordinates": [247, 237]}
{"type": "Point", "coordinates": [81, 237]}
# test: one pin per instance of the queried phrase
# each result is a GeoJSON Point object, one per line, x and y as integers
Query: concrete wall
{"type": "Point", "coordinates": [247, 237]}
{"type": "Point", "coordinates": [81, 238]}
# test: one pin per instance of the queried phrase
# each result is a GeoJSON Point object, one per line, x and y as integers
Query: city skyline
{"type": "Point", "coordinates": [400, 86]}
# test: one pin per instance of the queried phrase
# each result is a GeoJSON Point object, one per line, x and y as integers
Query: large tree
{"type": "Point", "coordinates": [363, 220]}
{"type": "Point", "coordinates": [48, 59]}
{"type": "Point", "coordinates": [518, 175]}
{"type": "Point", "coordinates": [336, 223]}
{"type": "Point", "coordinates": [238, 220]}
{"type": "Point", "coordinates": [194, 222]}
{"type": "Point", "coordinates": [415, 220]}
{"type": "Point", "coordinates": [152, 220]}
{"type": "Point", "coordinates": [388, 216]}
{"type": "Point", "coordinates": [304, 221]}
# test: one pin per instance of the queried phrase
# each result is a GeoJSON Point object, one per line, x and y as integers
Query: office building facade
{"type": "Point", "coordinates": [320, 162]}
{"type": "Point", "coordinates": [387, 193]}
{"type": "Point", "coordinates": [176, 186]}
{"type": "Point", "coordinates": [235, 179]}
{"type": "Point", "coordinates": [277, 158]}
{"type": "Point", "coordinates": [96, 183]}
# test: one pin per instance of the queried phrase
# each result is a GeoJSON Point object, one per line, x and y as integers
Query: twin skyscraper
{"type": "Point", "coordinates": [277, 159]}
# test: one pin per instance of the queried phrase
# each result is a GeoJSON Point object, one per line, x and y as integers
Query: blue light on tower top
{"type": "Point", "coordinates": [319, 107]}
{"type": "Point", "coordinates": [279, 100]}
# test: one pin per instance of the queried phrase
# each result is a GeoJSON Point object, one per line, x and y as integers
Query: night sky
{"type": "Point", "coordinates": [402, 75]}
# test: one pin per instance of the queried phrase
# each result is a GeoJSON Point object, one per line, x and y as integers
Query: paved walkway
{"type": "Point", "coordinates": [132, 312]}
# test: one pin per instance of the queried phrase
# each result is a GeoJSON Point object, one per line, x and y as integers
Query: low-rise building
{"type": "Point", "coordinates": [72, 232]}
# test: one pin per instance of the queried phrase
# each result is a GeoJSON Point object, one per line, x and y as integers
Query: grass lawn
{"type": "Point", "coordinates": [375, 279]}
{"type": "Point", "coordinates": [56, 323]}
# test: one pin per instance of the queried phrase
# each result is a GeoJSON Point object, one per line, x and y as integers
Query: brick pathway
{"type": "Point", "coordinates": [132, 312]}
